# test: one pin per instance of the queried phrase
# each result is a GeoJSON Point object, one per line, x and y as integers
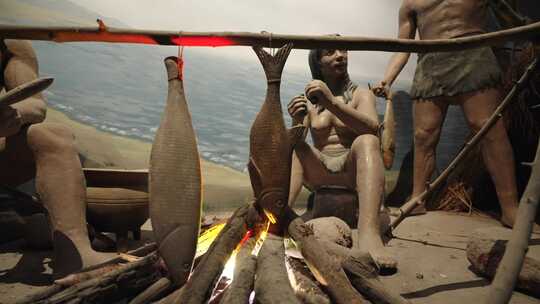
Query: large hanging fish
{"type": "Point", "coordinates": [175, 180]}
{"type": "Point", "coordinates": [270, 143]}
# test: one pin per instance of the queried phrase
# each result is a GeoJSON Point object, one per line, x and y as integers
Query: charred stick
{"type": "Point", "coordinates": [129, 276]}
{"type": "Point", "coordinates": [198, 288]}
{"type": "Point", "coordinates": [152, 292]}
{"type": "Point", "coordinates": [326, 269]}
{"type": "Point", "coordinates": [42, 294]}
{"type": "Point", "coordinates": [363, 274]}
{"type": "Point", "coordinates": [56, 288]}
{"type": "Point", "coordinates": [244, 276]}
{"type": "Point", "coordinates": [272, 282]}
{"type": "Point", "coordinates": [415, 201]}
{"type": "Point", "coordinates": [304, 284]}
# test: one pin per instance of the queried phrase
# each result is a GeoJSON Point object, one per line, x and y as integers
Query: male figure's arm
{"type": "Point", "coordinates": [406, 30]}
{"type": "Point", "coordinates": [21, 68]}
{"type": "Point", "coordinates": [361, 119]}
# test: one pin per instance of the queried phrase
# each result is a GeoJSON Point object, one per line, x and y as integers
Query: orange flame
{"type": "Point", "coordinates": [260, 240]}
{"type": "Point", "coordinates": [207, 237]}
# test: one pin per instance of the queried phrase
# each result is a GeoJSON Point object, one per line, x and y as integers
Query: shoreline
{"type": "Point", "coordinates": [223, 187]}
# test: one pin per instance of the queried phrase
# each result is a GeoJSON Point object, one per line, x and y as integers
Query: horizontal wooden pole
{"type": "Point", "coordinates": [102, 33]}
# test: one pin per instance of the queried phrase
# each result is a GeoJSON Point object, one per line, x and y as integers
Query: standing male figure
{"type": "Point", "coordinates": [467, 78]}
{"type": "Point", "coordinates": [30, 148]}
{"type": "Point", "coordinates": [343, 123]}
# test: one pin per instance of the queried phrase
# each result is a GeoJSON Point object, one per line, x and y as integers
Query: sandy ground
{"type": "Point", "coordinates": [222, 187]}
{"type": "Point", "coordinates": [430, 249]}
{"type": "Point", "coordinates": [433, 267]}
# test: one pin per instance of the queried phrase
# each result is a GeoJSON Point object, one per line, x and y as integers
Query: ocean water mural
{"type": "Point", "coordinates": [122, 89]}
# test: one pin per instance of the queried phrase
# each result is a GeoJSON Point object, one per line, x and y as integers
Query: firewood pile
{"type": "Point", "coordinates": [331, 273]}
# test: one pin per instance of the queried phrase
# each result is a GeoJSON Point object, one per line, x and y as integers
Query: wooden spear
{"type": "Point", "coordinates": [25, 90]}
{"type": "Point", "coordinates": [507, 273]}
{"type": "Point", "coordinates": [415, 201]}
{"type": "Point", "coordinates": [103, 33]}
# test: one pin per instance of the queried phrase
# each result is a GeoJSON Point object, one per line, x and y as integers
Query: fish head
{"type": "Point", "coordinates": [273, 202]}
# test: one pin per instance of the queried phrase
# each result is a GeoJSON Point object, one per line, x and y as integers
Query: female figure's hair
{"type": "Point", "coordinates": [314, 60]}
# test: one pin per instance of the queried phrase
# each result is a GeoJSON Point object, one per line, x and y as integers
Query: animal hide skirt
{"type": "Point", "coordinates": [334, 159]}
{"type": "Point", "coordinates": [454, 73]}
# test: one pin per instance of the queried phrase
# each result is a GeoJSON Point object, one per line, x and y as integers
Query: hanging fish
{"type": "Point", "coordinates": [175, 180]}
{"type": "Point", "coordinates": [270, 143]}
{"type": "Point", "coordinates": [388, 137]}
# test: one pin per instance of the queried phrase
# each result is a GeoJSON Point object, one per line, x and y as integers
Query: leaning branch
{"type": "Point", "coordinates": [512, 261]}
{"type": "Point", "coordinates": [103, 33]}
{"type": "Point", "coordinates": [411, 204]}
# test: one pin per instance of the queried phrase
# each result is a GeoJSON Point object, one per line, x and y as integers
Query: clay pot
{"type": "Point", "coordinates": [117, 210]}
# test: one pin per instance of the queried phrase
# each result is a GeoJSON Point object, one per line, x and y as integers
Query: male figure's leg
{"type": "Point", "coordinates": [48, 151]}
{"type": "Point", "coordinates": [428, 119]}
{"type": "Point", "coordinates": [496, 149]}
{"type": "Point", "coordinates": [367, 172]}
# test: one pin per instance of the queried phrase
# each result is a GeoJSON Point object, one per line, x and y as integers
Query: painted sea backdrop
{"type": "Point", "coordinates": [122, 89]}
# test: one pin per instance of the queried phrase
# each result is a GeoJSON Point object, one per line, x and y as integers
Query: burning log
{"type": "Point", "coordinates": [244, 276]}
{"type": "Point", "coordinates": [362, 272]}
{"type": "Point", "coordinates": [304, 284]}
{"type": "Point", "coordinates": [272, 282]}
{"type": "Point", "coordinates": [326, 269]}
{"type": "Point", "coordinates": [363, 275]}
{"type": "Point", "coordinates": [200, 285]}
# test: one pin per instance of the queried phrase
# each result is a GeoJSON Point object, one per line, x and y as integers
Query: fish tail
{"type": "Point", "coordinates": [273, 65]}
{"type": "Point", "coordinates": [172, 65]}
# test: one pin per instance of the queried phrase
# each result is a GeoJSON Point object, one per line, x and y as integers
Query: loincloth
{"type": "Point", "coordinates": [454, 73]}
{"type": "Point", "coordinates": [334, 159]}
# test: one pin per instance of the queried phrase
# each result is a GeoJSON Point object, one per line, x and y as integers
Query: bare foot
{"type": "Point", "coordinates": [71, 261]}
{"type": "Point", "coordinates": [372, 243]}
{"type": "Point", "coordinates": [508, 219]}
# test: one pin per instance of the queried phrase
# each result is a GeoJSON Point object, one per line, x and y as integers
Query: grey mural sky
{"type": "Point", "coordinates": [347, 17]}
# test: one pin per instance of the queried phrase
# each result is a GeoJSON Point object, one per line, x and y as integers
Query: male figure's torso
{"type": "Point", "coordinates": [443, 19]}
